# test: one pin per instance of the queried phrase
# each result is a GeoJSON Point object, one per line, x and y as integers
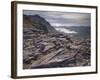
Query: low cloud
{"type": "Point", "coordinates": [65, 30]}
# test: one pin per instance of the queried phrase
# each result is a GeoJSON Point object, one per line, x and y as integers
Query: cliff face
{"type": "Point", "coordinates": [37, 22]}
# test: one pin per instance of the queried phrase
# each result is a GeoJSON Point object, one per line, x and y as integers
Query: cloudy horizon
{"type": "Point", "coordinates": [62, 18]}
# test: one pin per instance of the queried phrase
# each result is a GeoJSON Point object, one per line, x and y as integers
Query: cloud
{"type": "Point", "coordinates": [65, 30]}
{"type": "Point", "coordinates": [62, 18]}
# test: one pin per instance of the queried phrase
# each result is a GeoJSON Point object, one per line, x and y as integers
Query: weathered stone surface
{"type": "Point", "coordinates": [48, 49]}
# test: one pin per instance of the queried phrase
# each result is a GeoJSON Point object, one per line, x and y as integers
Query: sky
{"type": "Point", "coordinates": [62, 18]}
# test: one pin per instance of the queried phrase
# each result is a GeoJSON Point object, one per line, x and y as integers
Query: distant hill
{"type": "Point", "coordinates": [37, 22]}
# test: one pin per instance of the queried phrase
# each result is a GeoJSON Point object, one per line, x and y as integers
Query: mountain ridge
{"type": "Point", "coordinates": [38, 22]}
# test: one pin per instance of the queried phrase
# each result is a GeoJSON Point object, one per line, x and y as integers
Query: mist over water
{"type": "Point", "coordinates": [82, 31]}
{"type": "Point", "coordinates": [66, 30]}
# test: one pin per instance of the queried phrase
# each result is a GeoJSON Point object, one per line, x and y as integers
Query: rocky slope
{"type": "Point", "coordinates": [44, 47]}
{"type": "Point", "coordinates": [37, 22]}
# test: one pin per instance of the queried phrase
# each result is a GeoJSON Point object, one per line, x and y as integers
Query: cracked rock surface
{"type": "Point", "coordinates": [49, 49]}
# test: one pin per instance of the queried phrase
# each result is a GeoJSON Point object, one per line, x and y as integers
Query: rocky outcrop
{"type": "Point", "coordinates": [38, 23]}
{"type": "Point", "coordinates": [42, 50]}
{"type": "Point", "coordinates": [44, 47]}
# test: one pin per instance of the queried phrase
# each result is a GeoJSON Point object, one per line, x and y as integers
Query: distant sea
{"type": "Point", "coordinates": [82, 31]}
